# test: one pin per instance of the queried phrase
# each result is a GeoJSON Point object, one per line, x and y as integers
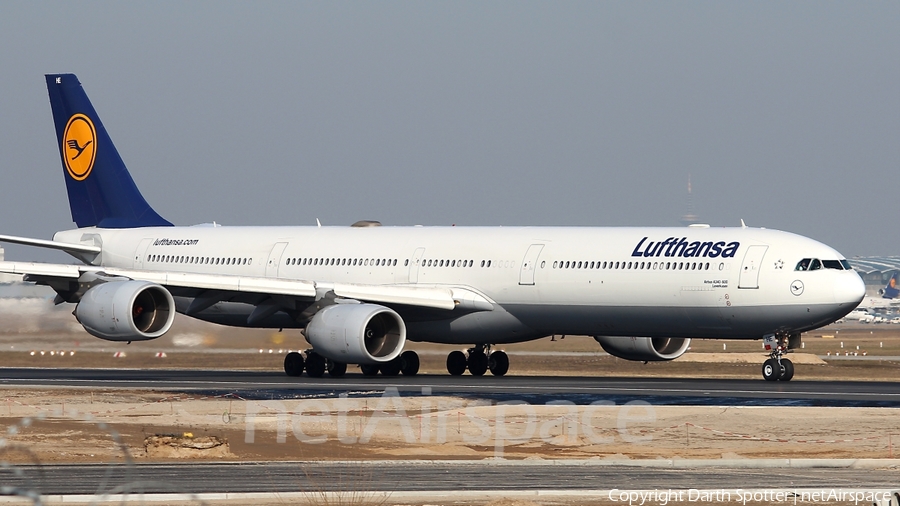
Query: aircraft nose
{"type": "Point", "coordinates": [849, 289]}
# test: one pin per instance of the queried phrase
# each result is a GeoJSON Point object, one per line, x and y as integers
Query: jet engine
{"type": "Point", "coordinates": [644, 349]}
{"type": "Point", "coordinates": [126, 311]}
{"type": "Point", "coordinates": [357, 333]}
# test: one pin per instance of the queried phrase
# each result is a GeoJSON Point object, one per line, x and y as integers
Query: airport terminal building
{"type": "Point", "coordinates": [875, 271]}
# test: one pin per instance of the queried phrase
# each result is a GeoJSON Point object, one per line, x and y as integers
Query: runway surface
{"type": "Point", "coordinates": [533, 389]}
{"type": "Point", "coordinates": [399, 476]}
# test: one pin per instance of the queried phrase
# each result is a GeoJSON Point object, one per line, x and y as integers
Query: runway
{"type": "Point", "coordinates": [533, 389]}
{"type": "Point", "coordinates": [428, 476]}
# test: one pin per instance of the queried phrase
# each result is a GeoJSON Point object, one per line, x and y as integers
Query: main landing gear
{"type": "Point", "coordinates": [406, 364]}
{"type": "Point", "coordinates": [316, 365]}
{"type": "Point", "coordinates": [777, 367]}
{"type": "Point", "coordinates": [479, 360]}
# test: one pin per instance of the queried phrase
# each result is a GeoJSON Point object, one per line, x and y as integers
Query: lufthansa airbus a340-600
{"type": "Point", "coordinates": [360, 292]}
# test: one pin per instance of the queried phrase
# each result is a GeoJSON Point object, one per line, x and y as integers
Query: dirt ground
{"type": "Point", "coordinates": [432, 427]}
{"type": "Point", "coordinates": [79, 425]}
{"type": "Point", "coordinates": [99, 426]}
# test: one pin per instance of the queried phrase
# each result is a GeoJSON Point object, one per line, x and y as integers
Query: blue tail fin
{"type": "Point", "coordinates": [892, 290]}
{"type": "Point", "coordinates": [101, 191]}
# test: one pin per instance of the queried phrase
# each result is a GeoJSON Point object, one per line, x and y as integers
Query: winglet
{"type": "Point", "coordinates": [101, 191]}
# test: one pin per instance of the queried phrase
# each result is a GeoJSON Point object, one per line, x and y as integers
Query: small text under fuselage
{"type": "Point", "coordinates": [176, 242]}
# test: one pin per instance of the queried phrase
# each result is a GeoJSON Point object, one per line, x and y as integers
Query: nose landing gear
{"type": "Point", "coordinates": [777, 367]}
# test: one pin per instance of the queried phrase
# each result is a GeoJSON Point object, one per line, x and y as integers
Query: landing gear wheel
{"type": "Point", "coordinates": [409, 363]}
{"type": "Point", "coordinates": [498, 363]}
{"type": "Point", "coordinates": [456, 363]}
{"type": "Point", "coordinates": [315, 365]}
{"type": "Point", "coordinates": [778, 367]}
{"type": "Point", "coordinates": [787, 370]}
{"type": "Point", "coordinates": [771, 370]}
{"type": "Point", "coordinates": [293, 364]}
{"type": "Point", "coordinates": [478, 363]}
{"type": "Point", "coordinates": [336, 369]}
{"type": "Point", "coordinates": [369, 369]}
{"type": "Point", "coordinates": [391, 368]}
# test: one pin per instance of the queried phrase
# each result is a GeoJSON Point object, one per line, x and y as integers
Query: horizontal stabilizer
{"type": "Point", "coordinates": [42, 243]}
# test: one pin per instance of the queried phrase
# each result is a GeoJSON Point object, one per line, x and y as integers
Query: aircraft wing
{"type": "Point", "coordinates": [212, 288]}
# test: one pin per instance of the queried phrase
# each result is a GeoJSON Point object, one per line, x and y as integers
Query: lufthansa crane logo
{"type": "Point", "coordinates": [79, 146]}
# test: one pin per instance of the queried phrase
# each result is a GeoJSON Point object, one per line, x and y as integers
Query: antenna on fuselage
{"type": "Point", "coordinates": [318, 223]}
{"type": "Point", "coordinates": [743, 225]}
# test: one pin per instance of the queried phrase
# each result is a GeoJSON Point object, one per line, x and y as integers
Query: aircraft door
{"type": "Point", "coordinates": [750, 267]}
{"type": "Point", "coordinates": [140, 253]}
{"type": "Point", "coordinates": [275, 259]}
{"type": "Point", "coordinates": [529, 264]}
{"type": "Point", "coordinates": [414, 265]}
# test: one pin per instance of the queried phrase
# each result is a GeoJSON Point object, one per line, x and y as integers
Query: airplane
{"type": "Point", "coordinates": [888, 298]}
{"type": "Point", "coordinates": [358, 293]}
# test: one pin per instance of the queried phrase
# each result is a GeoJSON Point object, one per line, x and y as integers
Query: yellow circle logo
{"type": "Point", "coordinates": [79, 146]}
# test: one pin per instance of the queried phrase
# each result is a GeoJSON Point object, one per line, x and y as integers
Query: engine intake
{"type": "Point", "coordinates": [357, 333]}
{"type": "Point", "coordinates": [644, 349]}
{"type": "Point", "coordinates": [126, 311]}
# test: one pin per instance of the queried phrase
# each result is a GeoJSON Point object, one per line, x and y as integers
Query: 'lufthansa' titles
{"type": "Point", "coordinates": [680, 247]}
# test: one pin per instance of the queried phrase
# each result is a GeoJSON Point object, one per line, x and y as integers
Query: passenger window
{"type": "Point", "coordinates": [815, 265]}
{"type": "Point", "coordinates": [803, 265]}
{"type": "Point", "coordinates": [489, 263]}
{"type": "Point", "coordinates": [406, 263]}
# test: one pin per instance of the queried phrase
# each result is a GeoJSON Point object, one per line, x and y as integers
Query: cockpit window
{"type": "Point", "coordinates": [813, 264]}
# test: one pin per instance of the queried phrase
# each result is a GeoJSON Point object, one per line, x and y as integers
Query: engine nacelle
{"type": "Point", "coordinates": [126, 311]}
{"type": "Point", "coordinates": [357, 333]}
{"type": "Point", "coordinates": [644, 349]}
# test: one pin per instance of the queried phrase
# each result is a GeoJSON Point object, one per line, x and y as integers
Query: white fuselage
{"type": "Point", "coordinates": [738, 283]}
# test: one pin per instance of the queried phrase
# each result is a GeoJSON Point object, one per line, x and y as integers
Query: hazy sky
{"type": "Point", "coordinates": [785, 114]}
